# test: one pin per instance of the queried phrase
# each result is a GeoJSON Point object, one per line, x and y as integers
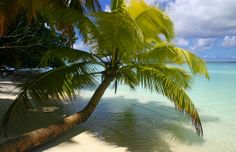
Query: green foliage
{"type": "Point", "coordinates": [151, 20]}
{"type": "Point", "coordinates": [118, 5]}
{"type": "Point", "coordinates": [67, 54]}
{"type": "Point", "coordinates": [168, 53]}
{"type": "Point", "coordinates": [113, 28]}
{"type": "Point", "coordinates": [50, 9]}
{"type": "Point", "coordinates": [24, 45]}
{"type": "Point", "coordinates": [127, 44]}
{"type": "Point", "coordinates": [24, 38]}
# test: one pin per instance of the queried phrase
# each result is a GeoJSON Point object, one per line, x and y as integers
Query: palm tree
{"type": "Point", "coordinates": [126, 48]}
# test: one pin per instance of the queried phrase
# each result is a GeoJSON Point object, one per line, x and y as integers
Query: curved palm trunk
{"type": "Point", "coordinates": [38, 137]}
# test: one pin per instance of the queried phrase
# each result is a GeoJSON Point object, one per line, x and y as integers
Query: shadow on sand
{"type": "Point", "coordinates": [138, 126]}
{"type": "Point", "coordinates": [34, 119]}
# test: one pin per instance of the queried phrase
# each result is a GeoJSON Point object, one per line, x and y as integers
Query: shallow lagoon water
{"type": "Point", "coordinates": [147, 122]}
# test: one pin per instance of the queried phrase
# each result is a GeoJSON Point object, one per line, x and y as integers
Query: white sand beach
{"type": "Point", "coordinates": [83, 141]}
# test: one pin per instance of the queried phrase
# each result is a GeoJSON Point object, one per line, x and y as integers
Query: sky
{"type": "Point", "coordinates": [205, 27]}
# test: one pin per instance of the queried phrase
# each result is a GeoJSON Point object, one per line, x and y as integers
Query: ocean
{"type": "Point", "coordinates": [147, 122]}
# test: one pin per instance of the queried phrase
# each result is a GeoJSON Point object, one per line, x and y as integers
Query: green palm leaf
{"type": "Point", "coordinates": [127, 75]}
{"type": "Point", "coordinates": [167, 53]}
{"type": "Point", "coordinates": [68, 54]}
{"type": "Point", "coordinates": [162, 81]}
{"type": "Point", "coordinates": [53, 10]}
{"type": "Point", "coordinates": [118, 5]}
{"type": "Point", "coordinates": [118, 31]}
{"type": "Point", "coordinates": [151, 21]}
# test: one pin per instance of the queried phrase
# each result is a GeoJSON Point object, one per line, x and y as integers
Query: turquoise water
{"type": "Point", "coordinates": [147, 122]}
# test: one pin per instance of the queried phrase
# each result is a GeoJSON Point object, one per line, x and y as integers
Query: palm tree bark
{"type": "Point", "coordinates": [40, 136]}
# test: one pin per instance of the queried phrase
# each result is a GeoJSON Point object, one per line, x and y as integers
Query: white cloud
{"type": "Point", "coordinates": [203, 18]}
{"type": "Point", "coordinates": [157, 2]}
{"type": "Point", "coordinates": [229, 41]}
{"type": "Point", "coordinates": [181, 42]}
{"type": "Point", "coordinates": [107, 8]}
{"type": "Point", "coordinates": [204, 43]}
{"type": "Point", "coordinates": [152, 2]}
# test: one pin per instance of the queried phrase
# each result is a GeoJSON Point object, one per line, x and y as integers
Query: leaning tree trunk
{"type": "Point", "coordinates": [40, 136]}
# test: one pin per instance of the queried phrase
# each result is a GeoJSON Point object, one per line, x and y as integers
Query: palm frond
{"type": "Point", "coordinates": [118, 5]}
{"type": "Point", "coordinates": [54, 10]}
{"type": "Point", "coordinates": [167, 53]}
{"type": "Point", "coordinates": [151, 20]}
{"type": "Point", "coordinates": [87, 29]}
{"type": "Point", "coordinates": [72, 17]}
{"type": "Point", "coordinates": [67, 54]}
{"type": "Point", "coordinates": [56, 85]}
{"type": "Point", "coordinates": [117, 31]}
{"type": "Point", "coordinates": [76, 20]}
{"type": "Point", "coordinates": [157, 80]}
{"type": "Point", "coordinates": [127, 75]}
{"type": "Point", "coordinates": [174, 74]}
{"type": "Point", "coordinates": [31, 8]}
